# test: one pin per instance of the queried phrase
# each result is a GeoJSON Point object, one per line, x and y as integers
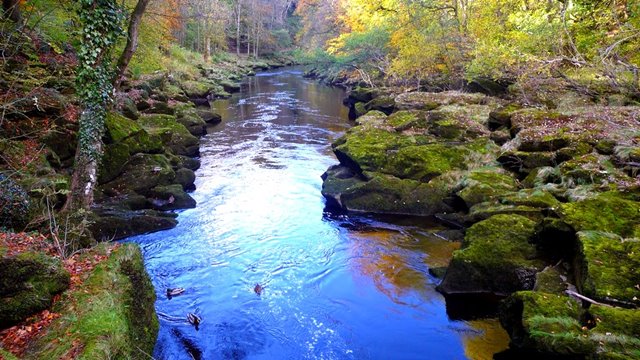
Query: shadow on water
{"type": "Point", "coordinates": [332, 286]}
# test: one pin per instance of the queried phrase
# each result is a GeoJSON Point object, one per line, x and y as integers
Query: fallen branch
{"type": "Point", "coordinates": [584, 298]}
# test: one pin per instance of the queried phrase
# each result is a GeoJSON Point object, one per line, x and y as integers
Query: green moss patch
{"type": "Point", "coordinates": [496, 257]}
{"type": "Point", "coordinates": [608, 266]}
{"type": "Point", "coordinates": [111, 315]}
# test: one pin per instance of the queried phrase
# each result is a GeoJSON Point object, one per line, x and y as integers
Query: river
{"type": "Point", "coordinates": [334, 286]}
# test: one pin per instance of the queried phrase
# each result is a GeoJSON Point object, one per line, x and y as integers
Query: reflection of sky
{"type": "Point", "coordinates": [330, 292]}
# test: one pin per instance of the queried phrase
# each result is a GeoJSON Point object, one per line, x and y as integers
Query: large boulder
{"type": "Point", "coordinates": [429, 101]}
{"type": "Point", "coordinates": [496, 257]}
{"type": "Point", "coordinates": [384, 194]}
{"type": "Point", "coordinates": [115, 222]}
{"type": "Point", "coordinates": [141, 173]}
{"type": "Point", "coordinates": [189, 117]}
{"type": "Point", "coordinates": [485, 184]}
{"type": "Point", "coordinates": [28, 283]}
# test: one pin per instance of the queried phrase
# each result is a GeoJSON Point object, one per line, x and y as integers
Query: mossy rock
{"type": "Point", "coordinates": [430, 101]}
{"type": "Point", "coordinates": [373, 119]}
{"type": "Point", "coordinates": [170, 197]}
{"type": "Point", "coordinates": [551, 280]}
{"type": "Point", "coordinates": [525, 162]}
{"type": "Point", "coordinates": [359, 109]}
{"type": "Point", "coordinates": [545, 323]}
{"type": "Point", "coordinates": [28, 282]}
{"type": "Point", "coordinates": [197, 89]}
{"type": "Point", "coordinates": [113, 160]}
{"type": "Point", "coordinates": [209, 116]}
{"type": "Point", "coordinates": [557, 326]}
{"type": "Point", "coordinates": [382, 103]}
{"type": "Point", "coordinates": [608, 267]}
{"type": "Point", "coordinates": [111, 315]}
{"type": "Point", "coordinates": [486, 210]}
{"type": "Point", "coordinates": [128, 108]}
{"type": "Point", "coordinates": [576, 149]}
{"type": "Point", "coordinates": [501, 117]}
{"type": "Point", "coordinates": [456, 122]}
{"type": "Point", "coordinates": [361, 94]}
{"type": "Point", "coordinates": [128, 218]}
{"type": "Point", "coordinates": [160, 106]}
{"type": "Point", "coordinates": [384, 194]}
{"type": "Point", "coordinates": [194, 123]}
{"type": "Point", "coordinates": [407, 119]}
{"type": "Point", "coordinates": [186, 178]}
{"type": "Point", "coordinates": [176, 93]}
{"type": "Point", "coordinates": [612, 212]}
{"type": "Point", "coordinates": [485, 184]}
{"type": "Point", "coordinates": [174, 135]}
{"type": "Point", "coordinates": [368, 149]}
{"type": "Point", "coordinates": [531, 197]}
{"type": "Point", "coordinates": [141, 173]}
{"type": "Point", "coordinates": [496, 257]}
{"type": "Point", "coordinates": [424, 162]}
{"type": "Point", "coordinates": [592, 169]}
{"type": "Point", "coordinates": [119, 129]}
{"type": "Point", "coordinates": [230, 86]}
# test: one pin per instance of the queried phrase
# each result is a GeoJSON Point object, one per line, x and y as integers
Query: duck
{"type": "Point", "coordinates": [258, 289]}
{"type": "Point", "coordinates": [174, 292]}
{"type": "Point", "coordinates": [194, 319]}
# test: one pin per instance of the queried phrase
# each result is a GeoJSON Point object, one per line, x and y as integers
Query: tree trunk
{"type": "Point", "coordinates": [207, 47]}
{"type": "Point", "coordinates": [88, 153]}
{"type": "Point", "coordinates": [11, 9]}
{"type": "Point", "coordinates": [238, 28]}
{"type": "Point", "coordinates": [132, 41]}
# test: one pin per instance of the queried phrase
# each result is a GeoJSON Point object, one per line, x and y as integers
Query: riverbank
{"type": "Point", "coordinates": [151, 148]}
{"type": "Point", "coordinates": [546, 201]}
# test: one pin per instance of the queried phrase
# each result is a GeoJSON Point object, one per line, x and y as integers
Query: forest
{"type": "Point", "coordinates": [513, 125]}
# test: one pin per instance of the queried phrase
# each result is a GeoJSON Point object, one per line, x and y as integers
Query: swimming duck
{"type": "Point", "coordinates": [258, 289]}
{"type": "Point", "coordinates": [174, 292]}
{"type": "Point", "coordinates": [194, 319]}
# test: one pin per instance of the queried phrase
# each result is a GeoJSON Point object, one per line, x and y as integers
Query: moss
{"type": "Point", "coordinates": [545, 323]}
{"type": "Point", "coordinates": [525, 162]}
{"type": "Point", "coordinates": [113, 160]}
{"type": "Point", "coordinates": [485, 184]}
{"type": "Point", "coordinates": [28, 282]}
{"type": "Point", "coordinates": [554, 324]}
{"type": "Point", "coordinates": [197, 89]}
{"type": "Point", "coordinates": [119, 129]}
{"type": "Point", "coordinates": [367, 149]}
{"type": "Point", "coordinates": [141, 173]}
{"type": "Point", "coordinates": [14, 204]}
{"type": "Point", "coordinates": [496, 257]}
{"type": "Point", "coordinates": [457, 122]}
{"type": "Point", "coordinates": [404, 119]}
{"type": "Point", "coordinates": [607, 266]}
{"type": "Point", "coordinates": [531, 197]}
{"type": "Point", "coordinates": [361, 94]}
{"type": "Point", "coordinates": [610, 212]}
{"type": "Point", "coordinates": [360, 109]}
{"type": "Point", "coordinates": [174, 135]}
{"type": "Point", "coordinates": [372, 119]}
{"type": "Point", "coordinates": [111, 315]}
{"type": "Point", "coordinates": [383, 103]}
{"type": "Point", "coordinates": [551, 280]}
{"type": "Point", "coordinates": [501, 117]}
{"type": "Point", "coordinates": [592, 169]}
{"type": "Point", "coordinates": [430, 101]}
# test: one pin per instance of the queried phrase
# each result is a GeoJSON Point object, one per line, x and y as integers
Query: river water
{"type": "Point", "coordinates": [334, 286]}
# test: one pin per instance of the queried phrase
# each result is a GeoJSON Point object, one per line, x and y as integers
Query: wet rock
{"type": "Point", "coordinates": [186, 178]}
{"type": "Point", "coordinates": [496, 257]}
{"type": "Point", "coordinates": [209, 116]}
{"type": "Point", "coordinates": [28, 283]}
{"type": "Point", "coordinates": [116, 222]}
{"type": "Point", "coordinates": [170, 197]}
{"type": "Point", "coordinates": [188, 116]}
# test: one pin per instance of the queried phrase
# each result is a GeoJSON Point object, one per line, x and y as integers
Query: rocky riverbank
{"type": "Point", "coordinates": [548, 201]}
{"type": "Point", "coordinates": [151, 153]}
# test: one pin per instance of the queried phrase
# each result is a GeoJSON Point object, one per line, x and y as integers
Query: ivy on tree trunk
{"type": "Point", "coordinates": [101, 27]}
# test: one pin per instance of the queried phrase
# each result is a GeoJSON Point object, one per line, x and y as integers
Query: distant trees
{"type": "Point", "coordinates": [489, 38]}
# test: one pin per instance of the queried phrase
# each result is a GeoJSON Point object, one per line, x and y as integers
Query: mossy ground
{"type": "Point", "coordinates": [111, 315]}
